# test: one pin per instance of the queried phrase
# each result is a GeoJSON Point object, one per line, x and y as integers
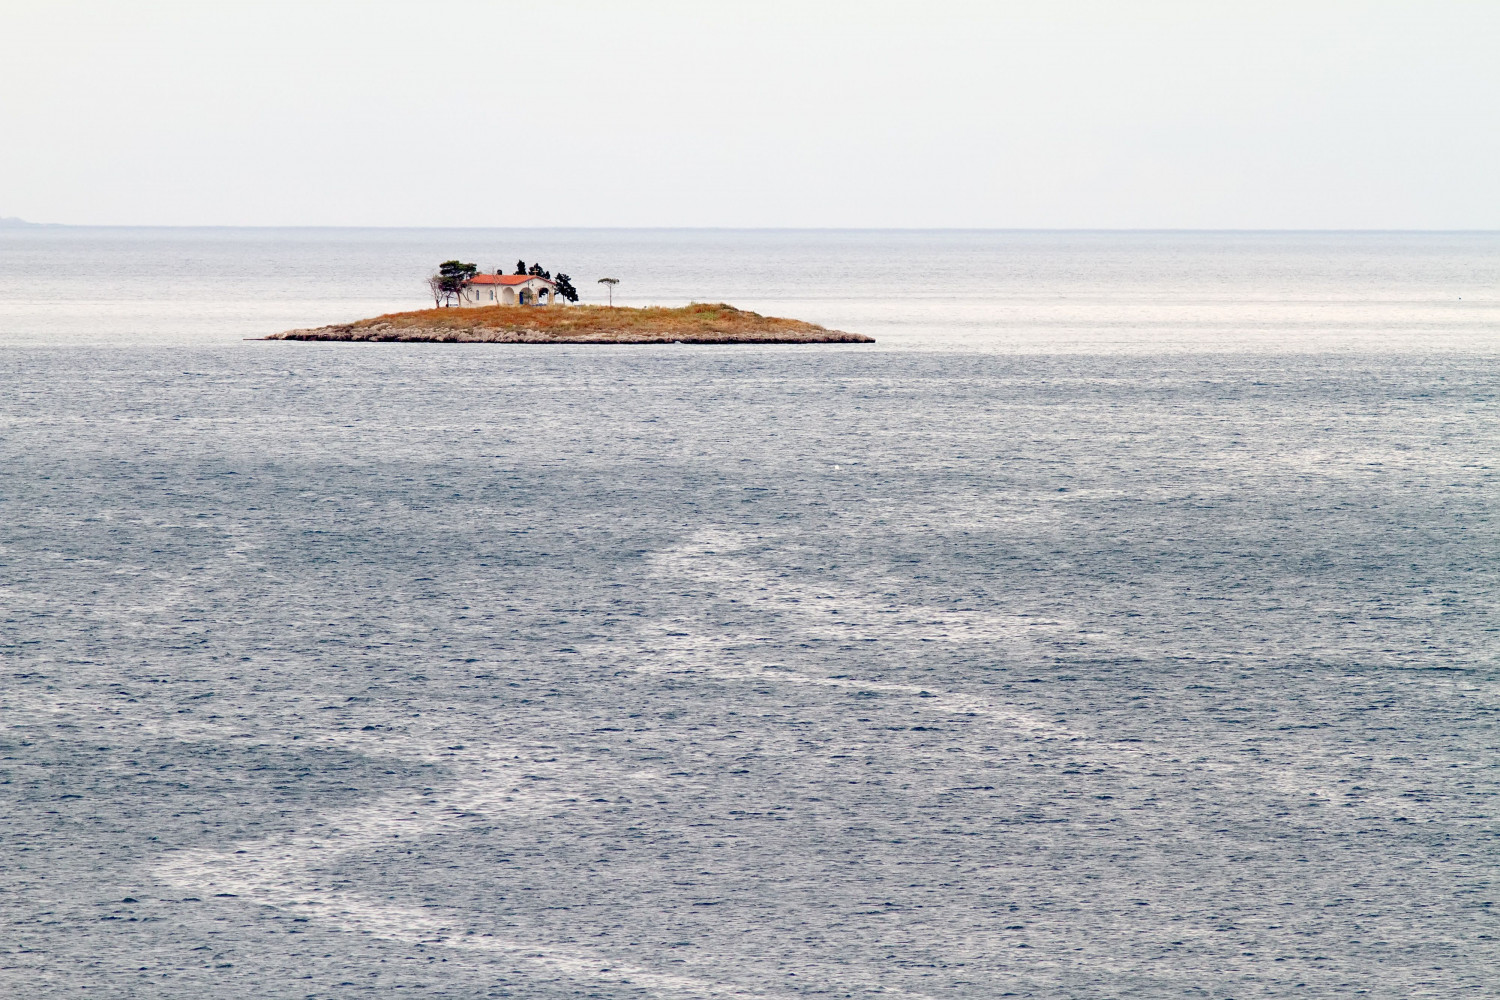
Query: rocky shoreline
{"type": "Point", "coordinates": [695, 324]}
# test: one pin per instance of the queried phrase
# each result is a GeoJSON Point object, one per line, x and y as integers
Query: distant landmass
{"type": "Point", "coordinates": [699, 323]}
{"type": "Point", "coordinates": [11, 222]}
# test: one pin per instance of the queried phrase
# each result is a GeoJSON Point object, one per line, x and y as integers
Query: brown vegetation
{"type": "Point", "coordinates": [699, 323]}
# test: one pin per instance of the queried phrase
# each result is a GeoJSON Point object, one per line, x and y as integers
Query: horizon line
{"type": "Point", "coordinates": [14, 223]}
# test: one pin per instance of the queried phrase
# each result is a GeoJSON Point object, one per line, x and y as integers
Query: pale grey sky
{"type": "Point", "coordinates": [1052, 113]}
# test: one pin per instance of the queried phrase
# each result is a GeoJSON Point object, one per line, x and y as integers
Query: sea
{"type": "Point", "coordinates": [1121, 624]}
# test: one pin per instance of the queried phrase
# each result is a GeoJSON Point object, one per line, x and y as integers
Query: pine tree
{"type": "Point", "coordinates": [452, 276]}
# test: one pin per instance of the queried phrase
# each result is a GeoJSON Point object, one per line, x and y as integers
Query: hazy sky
{"type": "Point", "coordinates": [1051, 113]}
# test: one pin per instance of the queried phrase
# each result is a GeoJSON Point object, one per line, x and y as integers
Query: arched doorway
{"type": "Point", "coordinates": [526, 297]}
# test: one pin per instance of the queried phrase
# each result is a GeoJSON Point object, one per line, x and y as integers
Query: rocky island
{"type": "Point", "coordinates": [699, 323]}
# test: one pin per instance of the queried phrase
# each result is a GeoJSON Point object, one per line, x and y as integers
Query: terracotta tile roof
{"type": "Point", "coordinates": [507, 279]}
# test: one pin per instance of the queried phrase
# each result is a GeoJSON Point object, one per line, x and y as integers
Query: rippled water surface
{"type": "Point", "coordinates": [1123, 624]}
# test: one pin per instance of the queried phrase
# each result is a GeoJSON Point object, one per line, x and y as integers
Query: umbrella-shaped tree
{"type": "Point", "coordinates": [453, 275]}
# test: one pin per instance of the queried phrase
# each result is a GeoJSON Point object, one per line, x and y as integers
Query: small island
{"type": "Point", "coordinates": [699, 323]}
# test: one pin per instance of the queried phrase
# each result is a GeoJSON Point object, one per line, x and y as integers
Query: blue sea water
{"type": "Point", "coordinates": [1122, 624]}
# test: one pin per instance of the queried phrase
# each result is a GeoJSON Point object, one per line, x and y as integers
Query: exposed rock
{"type": "Point", "coordinates": [699, 323]}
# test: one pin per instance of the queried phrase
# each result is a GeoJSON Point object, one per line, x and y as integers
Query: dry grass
{"type": "Point", "coordinates": [699, 323]}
